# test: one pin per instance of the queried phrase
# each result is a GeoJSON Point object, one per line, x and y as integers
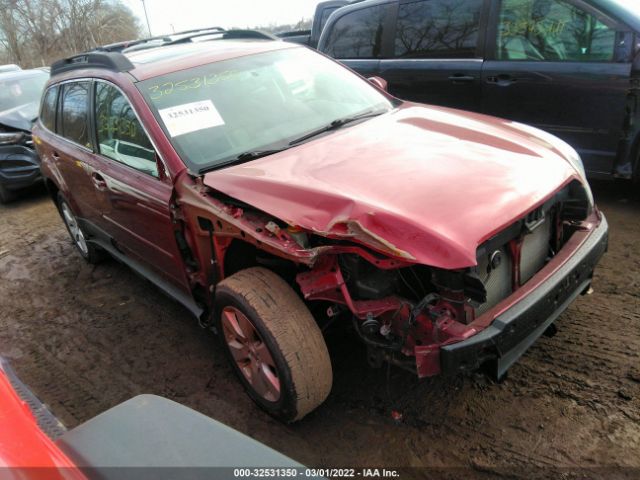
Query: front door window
{"type": "Point", "coordinates": [120, 135]}
{"type": "Point", "coordinates": [552, 30]}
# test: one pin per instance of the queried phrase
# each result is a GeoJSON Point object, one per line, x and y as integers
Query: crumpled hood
{"type": "Point", "coordinates": [427, 184]}
{"type": "Point", "coordinates": [20, 117]}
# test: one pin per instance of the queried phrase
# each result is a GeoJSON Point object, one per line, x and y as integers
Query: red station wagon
{"type": "Point", "coordinates": [273, 191]}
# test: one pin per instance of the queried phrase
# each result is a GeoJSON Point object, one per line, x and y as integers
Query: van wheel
{"type": "Point", "coordinates": [273, 343]}
{"type": "Point", "coordinates": [6, 195]}
{"type": "Point", "coordinates": [90, 252]}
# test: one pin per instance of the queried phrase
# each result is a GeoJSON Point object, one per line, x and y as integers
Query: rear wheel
{"type": "Point", "coordinates": [90, 252]}
{"type": "Point", "coordinates": [273, 343]}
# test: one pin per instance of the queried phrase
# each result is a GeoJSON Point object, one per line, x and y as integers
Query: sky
{"type": "Point", "coordinates": [166, 16]}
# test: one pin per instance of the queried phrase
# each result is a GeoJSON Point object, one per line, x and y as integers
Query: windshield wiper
{"type": "Point", "coordinates": [248, 156]}
{"type": "Point", "coordinates": [243, 157]}
{"type": "Point", "coordinates": [336, 124]}
{"type": "Point", "coordinates": [254, 155]}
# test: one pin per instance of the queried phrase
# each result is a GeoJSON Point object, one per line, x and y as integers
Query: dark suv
{"type": "Point", "coordinates": [570, 67]}
{"type": "Point", "coordinates": [20, 93]}
{"type": "Point", "coordinates": [275, 193]}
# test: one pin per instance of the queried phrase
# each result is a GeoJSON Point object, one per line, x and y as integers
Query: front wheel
{"type": "Point", "coordinates": [273, 343]}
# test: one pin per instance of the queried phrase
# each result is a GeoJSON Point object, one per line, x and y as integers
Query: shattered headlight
{"type": "Point", "coordinates": [10, 138]}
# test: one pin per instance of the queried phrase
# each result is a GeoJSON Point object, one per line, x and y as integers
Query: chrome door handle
{"type": "Point", "coordinates": [502, 80]}
{"type": "Point", "coordinates": [98, 181]}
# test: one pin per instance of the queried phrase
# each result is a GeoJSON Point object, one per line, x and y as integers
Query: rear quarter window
{"type": "Point", "coordinates": [48, 111]}
{"type": "Point", "coordinates": [358, 34]}
{"type": "Point", "coordinates": [325, 16]}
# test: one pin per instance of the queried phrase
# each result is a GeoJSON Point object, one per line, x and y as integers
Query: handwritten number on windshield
{"type": "Point", "coordinates": [167, 88]}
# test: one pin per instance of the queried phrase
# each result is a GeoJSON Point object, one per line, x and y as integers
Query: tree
{"type": "Point", "coordinates": [38, 32]}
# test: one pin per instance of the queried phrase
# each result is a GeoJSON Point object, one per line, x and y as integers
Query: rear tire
{"type": "Point", "coordinates": [6, 195]}
{"type": "Point", "coordinates": [280, 355]}
{"type": "Point", "coordinates": [90, 252]}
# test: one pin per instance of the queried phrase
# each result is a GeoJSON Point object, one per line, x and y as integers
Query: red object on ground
{"type": "Point", "coordinates": [26, 451]}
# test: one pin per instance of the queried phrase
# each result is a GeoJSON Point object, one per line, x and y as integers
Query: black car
{"type": "Point", "coordinates": [320, 17]}
{"type": "Point", "coordinates": [20, 93]}
{"type": "Point", "coordinates": [570, 67]}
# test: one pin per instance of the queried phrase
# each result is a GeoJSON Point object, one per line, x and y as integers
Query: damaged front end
{"type": "Point", "coordinates": [19, 162]}
{"type": "Point", "coordinates": [407, 313]}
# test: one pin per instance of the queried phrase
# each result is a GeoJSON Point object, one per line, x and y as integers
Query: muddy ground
{"type": "Point", "coordinates": [86, 338]}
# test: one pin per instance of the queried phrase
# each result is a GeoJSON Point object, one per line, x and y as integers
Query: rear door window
{"type": "Point", "coordinates": [438, 29]}
{"type": "Point", "coordinates": [48, 113]}
{"type": "Point", "coordinates": [358, 34]}
{"type": "Point", "coordinates": [552, 30]}
{"type": "Point", "coordinates": [119, 133]}
{"type": "Point", "coordinates": [74, 115]}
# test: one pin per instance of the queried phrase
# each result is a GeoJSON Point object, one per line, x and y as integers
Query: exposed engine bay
{"type": "Point", "coordinates": [403, 311]}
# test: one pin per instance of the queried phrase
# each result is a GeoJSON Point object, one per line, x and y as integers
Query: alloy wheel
{"type": "Point", "coordinates": [251, 354]}
{"type": "Point", "coordinates": [74, 229]}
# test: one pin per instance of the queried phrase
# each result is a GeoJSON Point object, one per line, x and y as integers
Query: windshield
{"type": "Point", "coordinates": [16, 91]}
{"type": "Point", "coordinates": [214, 113]}
{"type": "Point", "coordinates": [630, 5]}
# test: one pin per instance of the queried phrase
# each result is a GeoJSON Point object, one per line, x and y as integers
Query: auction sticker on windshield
{"type": "Point", "coordinates": [190, 117]}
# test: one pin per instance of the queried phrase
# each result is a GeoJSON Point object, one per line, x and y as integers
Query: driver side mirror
{"type": "Point", "coordinates": [379, 82]}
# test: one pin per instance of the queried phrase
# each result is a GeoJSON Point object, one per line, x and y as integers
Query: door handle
{"type": "Point", "coordinates": [502, 80]}
{"type": "Point", "coordinates": [459, 79]}
{"type": "Point", "coordinates": [55, 155]}
{"type": "Point", "coordinates": [98, 181]}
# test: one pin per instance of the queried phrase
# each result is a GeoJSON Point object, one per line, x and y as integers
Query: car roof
{"type": "Point", "coordinates": [18, 74]}
{"type": "Point", "coordinates": [172, 58]}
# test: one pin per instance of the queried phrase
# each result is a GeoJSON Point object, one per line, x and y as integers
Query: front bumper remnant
{"type": "Point", "coordinates": [513, 331]}
{"type": "Point", "coordinates": [19, 167]}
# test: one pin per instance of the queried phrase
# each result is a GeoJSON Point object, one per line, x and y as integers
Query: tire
{"type": "Point", "coordinates": [90, 252]}
{"type": "Point", "coordinates": [6, 195]}
{"type": "Point", "coordinates": [286, 343]}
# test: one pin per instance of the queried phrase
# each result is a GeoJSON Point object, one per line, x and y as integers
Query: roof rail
{"type": "Point", "coordinates": [195, 30]}
{"type": "Point", "coordinates": [116, 62]}
{"type": "Point", "coordinates": [227, 35]}
{"type": "Point", "coordinates": [256, 34]}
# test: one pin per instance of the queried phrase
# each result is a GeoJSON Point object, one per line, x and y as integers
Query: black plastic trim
{"type": "Point", "coordinates": [47, 422]}
{"type": "Point", "coordinates": [98, 237]}
{"type": "Point", "coordinates": [24, 175]}
{"type": "Point", "coordinates": [114, 61]}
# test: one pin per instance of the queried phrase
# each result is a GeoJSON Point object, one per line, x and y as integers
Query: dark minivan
{"type": "Point", "coordinates": [571, 67]}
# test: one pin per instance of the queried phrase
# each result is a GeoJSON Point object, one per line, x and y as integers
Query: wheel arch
{"type": "Point", "coordinates": [241, 255]}
{"type": "Point", "coordinates": [52, 189]}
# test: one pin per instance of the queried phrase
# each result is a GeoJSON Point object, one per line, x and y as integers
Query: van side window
{"type": "Point", "coordinates": [438, 29]}
{"type": "Point", "coordinates": [74, 117]}
{"type": "Point", "coordinates": [48, 113]}
{"type": "Point", "coordinates": [326, 13]}
{"type": "Point", "coordinates": [552, 30]}
{"type": "Point", "coordinates": [358, 34]}
{"type": "Point", "coordinates": [120, 135]}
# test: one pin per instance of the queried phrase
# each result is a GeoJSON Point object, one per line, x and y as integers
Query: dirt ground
{"type": "Point", "coordinates": [86, 338]}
